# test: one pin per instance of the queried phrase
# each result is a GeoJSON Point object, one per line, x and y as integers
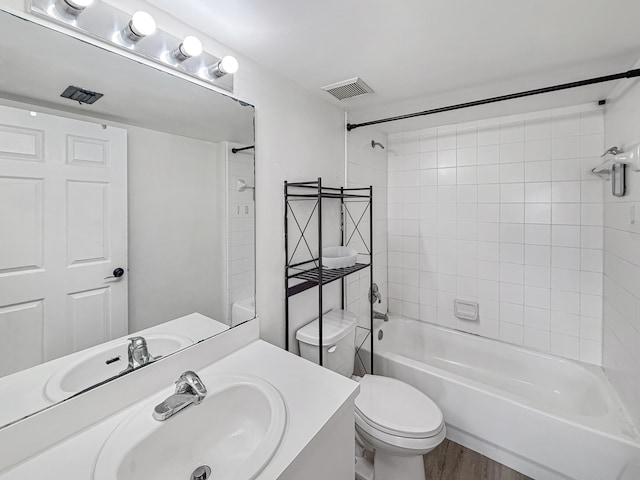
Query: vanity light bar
{"type": "Point", "coordinates": [138, 34]}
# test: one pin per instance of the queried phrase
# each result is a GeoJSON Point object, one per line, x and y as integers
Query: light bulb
{"type": "Point", "coordinates": [190, 47]}
{"type": "Point", "coordinates": [228, 64]}
{"type": "Point", "coordinates": [140, 25]}
{"type": "Point", "coordinates": [73, 7]}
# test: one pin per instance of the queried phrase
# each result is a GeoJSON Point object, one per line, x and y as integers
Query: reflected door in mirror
{"type": "Point", "coordinates": [63, 216]}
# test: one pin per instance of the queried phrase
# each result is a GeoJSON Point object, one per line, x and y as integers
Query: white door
{"type": "Point", "coordinates": [63, 229]}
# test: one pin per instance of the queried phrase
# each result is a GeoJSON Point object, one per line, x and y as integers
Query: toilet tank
{"type": "Point", "coordinates": [338, 341]}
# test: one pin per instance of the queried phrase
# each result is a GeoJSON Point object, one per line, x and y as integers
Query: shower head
{"type": "Point", "coordinates": [242, 185]}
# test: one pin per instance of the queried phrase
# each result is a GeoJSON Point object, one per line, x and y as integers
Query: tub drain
{"type": "Point", "coordinates": [380, 334]}
{"type": "Point", "coordinates": [203, 472]}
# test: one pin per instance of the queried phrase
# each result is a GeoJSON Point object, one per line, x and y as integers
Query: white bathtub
{"type": "Point", "coordinates": [545, 416]}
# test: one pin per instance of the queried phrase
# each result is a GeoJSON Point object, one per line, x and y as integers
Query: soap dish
{"type": "Point", "coordinates": [339, 257]}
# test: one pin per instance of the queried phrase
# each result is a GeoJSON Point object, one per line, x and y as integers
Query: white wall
{"type": "Point", "coordinates": [175, 246]}
{"type": "Point", "coordinates": [621, 356]}
{"type": "Point", "coordinates": [502, 212]}
{"type": "Point", "coordinates": [299, 137]}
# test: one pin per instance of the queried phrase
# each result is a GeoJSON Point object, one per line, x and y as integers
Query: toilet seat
{"type": "Point", "coordinates": [387, 408]}
{"type": "Point", "coordinates": [374, 440]}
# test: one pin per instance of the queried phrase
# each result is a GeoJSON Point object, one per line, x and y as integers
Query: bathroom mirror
{"type": "Point", "coordinates": [126, 210]}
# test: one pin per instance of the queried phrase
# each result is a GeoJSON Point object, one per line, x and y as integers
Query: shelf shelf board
{"type": "Point", "coordinates": [295, 190]}
{"type": "Point", "coordinates": [327, 195]}
{"type": "Point", "coordinates": [311, 277]}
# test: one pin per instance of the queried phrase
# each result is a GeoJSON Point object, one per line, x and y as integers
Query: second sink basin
{"type": "Point", "coordinates": [235, 432]}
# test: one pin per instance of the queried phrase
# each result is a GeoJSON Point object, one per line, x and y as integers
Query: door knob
{"type": "Point", "coordinates": [117, 273]}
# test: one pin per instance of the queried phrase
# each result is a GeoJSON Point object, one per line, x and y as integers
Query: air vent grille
{"type": "Point", "coordinates": [81, 95]}
{"type": "Point", "coordinates": [354, 87]}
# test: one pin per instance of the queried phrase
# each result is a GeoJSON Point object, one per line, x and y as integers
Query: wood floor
{"type": "Point", "coordinates": [451, 461]}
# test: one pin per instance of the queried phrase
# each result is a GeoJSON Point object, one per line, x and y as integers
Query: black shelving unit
{"type": "Point", "coordinates": [304, 275]}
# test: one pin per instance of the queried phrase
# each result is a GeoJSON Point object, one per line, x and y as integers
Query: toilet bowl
{"type": "Point", "coordinates": [394, 420]}
{"type": "Point", "coordinates": [399, 424]}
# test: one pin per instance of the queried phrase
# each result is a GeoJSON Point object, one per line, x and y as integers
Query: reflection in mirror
{"type": "Point", "coordinates": [127, 224]}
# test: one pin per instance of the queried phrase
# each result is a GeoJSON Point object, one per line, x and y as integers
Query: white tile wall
{"type": "Point", "coordinates": [503, 212]}
{"type": "Point", "coordinates": [621, 356]}
{"type": "Point", "coordinates": [241, 229]}
{"type": "Point", "coordinates": [365, 167]}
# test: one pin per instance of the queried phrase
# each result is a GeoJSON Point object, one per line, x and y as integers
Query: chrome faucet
{"type": "Point", "coordinates": [138, 354]}
{"type": "Point", "coordinates": [380, 316]}
{"type": "Point", "coordinates": [189, 390]}
{"type": "Point", "coordinates": [376, 296]}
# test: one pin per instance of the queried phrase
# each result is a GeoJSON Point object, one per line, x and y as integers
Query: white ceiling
{"type": "Point", "coordinates": [416, 54]}
{"type": "Point", "coordinates": [37, 64]}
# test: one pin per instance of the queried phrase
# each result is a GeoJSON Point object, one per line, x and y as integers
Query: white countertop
{"type": "Point", "coordinates": [312, 395]}
{"type": "Point", "coordinates": [27, 386]}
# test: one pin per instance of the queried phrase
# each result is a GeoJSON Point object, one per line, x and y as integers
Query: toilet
{"type": "Point", "coordinates": [394, 420]}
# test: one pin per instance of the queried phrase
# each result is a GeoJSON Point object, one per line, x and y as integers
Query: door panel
{"type": "Point", "coordinates": [21, 335]}
{"type": "Point", "coordinates": [63, 206]}
{"type": "Point", "coordinates": [21, 209]}
{"type": "Point", "coordinates": [91, 152]}
{"type": "Point", "coordinates": [21, 143]}
{"type": "Point", "coordinates": [90, 314]}
{"type": "Point", "coordinates": [88, 229]}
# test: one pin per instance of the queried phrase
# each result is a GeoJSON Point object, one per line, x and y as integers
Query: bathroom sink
{"type": "Point", "coordinates": [100, 363]}
{"type": "Point", "coordinates": [235, 431]}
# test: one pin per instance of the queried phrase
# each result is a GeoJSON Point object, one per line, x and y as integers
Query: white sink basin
{"type": "Point", "coordinates": [235, 431]}
{"type": "Point", "coordinates": [100, 363]}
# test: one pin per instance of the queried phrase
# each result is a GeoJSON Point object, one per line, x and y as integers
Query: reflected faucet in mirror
{"type": "Point", "coordinates": [138, 354]}
{"type": "Point", "coordinates": [189, 391]}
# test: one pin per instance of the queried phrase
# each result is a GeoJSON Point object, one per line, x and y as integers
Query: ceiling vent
{"type": "Point", "coordinates": [81, 95]}
{"type": "Point", "coordinates": [354, 87]}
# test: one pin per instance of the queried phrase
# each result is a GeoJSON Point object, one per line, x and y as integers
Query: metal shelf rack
{"type": "Point", "coordinates": [307, 274]}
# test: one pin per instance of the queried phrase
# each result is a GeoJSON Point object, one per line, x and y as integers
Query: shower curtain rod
{"type": "Point", "coordinates": [236, 150]}
{"type": "Point", "coordinates": [512, 96]}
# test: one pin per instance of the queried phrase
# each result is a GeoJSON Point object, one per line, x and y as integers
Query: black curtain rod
{"type": "Point", "coordinates": [236, 150]}
{"type": "Point", "coordinates": [512, 96]}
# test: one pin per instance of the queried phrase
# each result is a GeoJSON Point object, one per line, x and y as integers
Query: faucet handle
{"type": "Point", "coordinates": [190, 382]}
{"type": "Point", "coordinates": [135, 342]}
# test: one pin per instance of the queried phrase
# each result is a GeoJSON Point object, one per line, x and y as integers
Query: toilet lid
{"type": "Point", "coordinates": [395, 407]}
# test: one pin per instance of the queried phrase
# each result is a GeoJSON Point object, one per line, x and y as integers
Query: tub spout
{"type": "Point", "coordinates": [380, 316]}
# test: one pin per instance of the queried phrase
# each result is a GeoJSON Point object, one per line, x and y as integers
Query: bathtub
{"type": "Point", "coordinates": [545, 416]}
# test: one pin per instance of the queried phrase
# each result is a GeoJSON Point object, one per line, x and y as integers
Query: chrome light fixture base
{"type": "Point", "coordinates": [72, 8]}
